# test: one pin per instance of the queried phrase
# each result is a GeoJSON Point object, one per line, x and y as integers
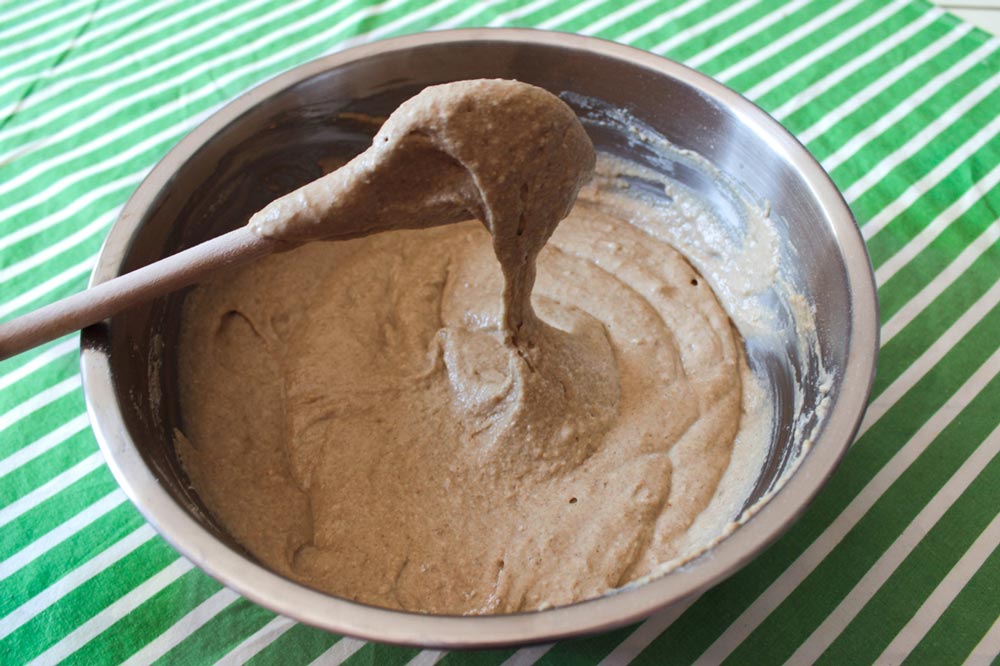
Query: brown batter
{"type": "Point", "coordinates": [387, 419]}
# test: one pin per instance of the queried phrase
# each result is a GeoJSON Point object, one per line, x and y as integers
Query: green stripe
{"type": "Point", "coordinates": [53, 30]}
{"type": "Point", "coordinates": [804, 117]}
{"type": "Point", "coordinates": [383, 655]}
{"type": "Point", "coordinates": [758, 39]}
{"type": "Point", "coordinates": [903, 286]}
{"type": "Point", "coordinates": [896, 355]}
{"type": "Point", "coordinates": [476, 658]}
{"type": "Point", "coordinates": [915, 579]}
{"type": "Point", "coordinates": [827, 31]}
{"type": "Point", "coordinates": [895, 236]}
{"type": "Point", "coordinates": [219, 635]}
{"type": "Point", "coordinates": [55, 511]}
{"type": "Point", "coordinates": [641, 19]}
{"type": "Point", "coordinates": [950, 189]}
{"type": "Point", "coordinates": [864, 42]}
{"type": "Point", "coordinates": [895, 95]}
{"type": "Point", "coordinates": [298, 645]}
{"type": "Point", "coordinates": [67, 556]}
{"type": "Point", "coordinates": [142, 625]}
{"type": "Point", "coordinates": [46, 467]}
{"type": "Point", "coordinates": [37, 9]}
{"type": "Point", "coordinates": [818, 595]}
{"type": "Point", "coordinates": [586, 650]}
{"type": "Point", "coordinates": [717, 609]}
{"type": "Point", "coordinates": [86, 601]}
{"type": "Point", "coordinates": [78, 69]}
{"type": "Point", "coordinates": [42, 421]}
{"type": "Point", "coordinates": [967, 619]}
{"type": "Point", "coordinates": [48, 375]}
{"type": "Point", "coordinates": [689, 48]}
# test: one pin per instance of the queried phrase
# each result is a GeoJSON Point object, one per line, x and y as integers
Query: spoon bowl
{"type": "Point", "coordinates": [287, 132]}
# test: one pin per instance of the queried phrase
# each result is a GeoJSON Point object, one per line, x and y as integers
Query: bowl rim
{"type": "Point", "coordinates": [345, 617]}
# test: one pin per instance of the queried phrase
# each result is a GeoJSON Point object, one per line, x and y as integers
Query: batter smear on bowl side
{"type": "Point", "coordinates": [462, 416]}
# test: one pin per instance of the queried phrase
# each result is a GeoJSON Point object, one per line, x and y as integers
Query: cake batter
{"type": "Point", "coordinates": [415, 419]}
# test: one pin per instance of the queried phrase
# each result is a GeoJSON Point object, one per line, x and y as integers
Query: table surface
{"type": "Point", "coordinates": [898, 560]}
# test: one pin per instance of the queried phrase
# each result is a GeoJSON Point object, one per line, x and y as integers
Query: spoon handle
{"type": "Point", "coordinates": [108, 298]}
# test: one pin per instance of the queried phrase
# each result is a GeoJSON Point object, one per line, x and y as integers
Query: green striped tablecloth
{"type": "Point", "coordinates": [898, 559]}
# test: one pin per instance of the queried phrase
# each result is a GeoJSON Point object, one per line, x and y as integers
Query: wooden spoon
{"type": "Point", "coordinates": [510, 154]}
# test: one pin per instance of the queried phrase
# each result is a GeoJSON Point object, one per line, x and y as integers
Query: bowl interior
{"type": "Point", "coordinates": [229, 168]}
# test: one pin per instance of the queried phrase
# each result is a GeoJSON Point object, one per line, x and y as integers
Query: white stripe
{"type": "Point", "coordinates": [114, 45]}
{"type": "Point", "coordinates": [757, 26]}
{"type": "Point", "coordinates": [74, 579]}
{"type": "Point", "coordinates": [864, 27]}
{"type": "Point", "coordinates": [930, 357]}
{"type": "Point", "coordinates": [391, 26]}
{"type": "Point", "coordinates": [134, 64]}
{"type": "Point", "coordinates": [78, 204]}
{"type": "Point", "coordinates": [460, 18]}
{"type": "Point", "coordinates": [54, 190]}
{"type": "Point", "coordinates": [74, 129]}
{"type": "Point", "coordinates": [894, 556]}
{"type": "Point", "coordinates": [919, 242]}
{"type": "Point", "coordinates": [523, 10]}
{"type": "Point", "coordinates": [617, 16]}
{"type": "Point", "coordinates": [339, 653]}
{"type": "Point", "coordinates": [59, 534]}
{"type": "Point", "coordinates": [780, 44]}
{"type": "Point", "coordinates": [943, 595]}
{"type": "Point", "coordinates": [184, 627]}
{"type": "Point", "coordinates": [527, 656]}
{"type": "Point", "coordinates": [935, 176]}
{"type": "Point", "coordinates": [817, 551]}
{"type": "Point", "coordinates": [570, 14]}
{"type": "Point", "coordinates": [803, 97]}
{"type": "Point", "coordinates": [702, 27]}
{"type": "Point", "coordinates": [48, 286]}
{"type": "Point", "coordinates": [661, 20]}
{"type": "Point", "coordinates": [955, 114]}
{"type": "Point", "coordinates": [129, 19]}
{"type": "Point", "coordinates": [905, 107]}
{"type": "Point", "coordinates": [881, 84]}
{"type": "Point", "coordinates": [100, 168]}
{"type": "Point", "coordinates": [57, 248]}
{"type": "Point", "coordinates": [987, 649]}
{"type": "Point", "coordinates": [57, 350]}
{"type": "Point", "coordinates": [42, 444]}
{"type": "Point", "coordinates": [646, 633]}
{"type": "Point", "coordinates": [100, 622]}
{"type": "Point", "coordinates": [184, 102]}
{"type": "Point", "coordinates": [256, 642]}
{"type": "Point", "coordinates": [427, 658]}
{"type": "Point", "coordinates": [22, 8]}
{"type": "Point", "coordinates": [941, 281]}
{"type": "Point", "coordinates": [141, 67]}
{"type": "Point", "coordinates": [28, 26]}
{"type": "Point", "coordinates": [38, 401]}
{"type": "Point", "coordinates": [50, 489]}
{"type": "Point", "coordinates": [189, 100]}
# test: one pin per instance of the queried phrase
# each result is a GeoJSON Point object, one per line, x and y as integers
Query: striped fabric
{"type": "Point", "coordinates": [897, 561]}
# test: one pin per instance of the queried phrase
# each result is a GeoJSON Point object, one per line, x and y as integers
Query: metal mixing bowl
{"type": "Point", "coordinates": [270, 140]}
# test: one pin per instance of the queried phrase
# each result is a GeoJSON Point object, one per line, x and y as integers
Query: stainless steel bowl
{"type": "Point", "coordinates": [269, 141]}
